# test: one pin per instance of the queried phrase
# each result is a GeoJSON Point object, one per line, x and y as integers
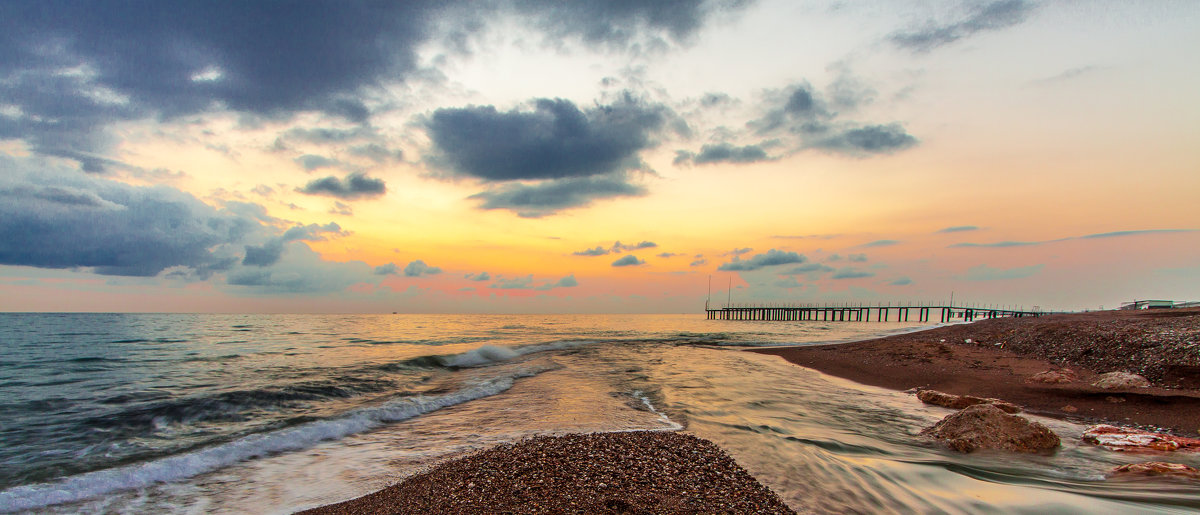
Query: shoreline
{"type": "Point", "coordinates": [1160, 344]}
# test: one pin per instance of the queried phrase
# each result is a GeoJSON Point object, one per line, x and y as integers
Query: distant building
{"type": "Point", "coordinates": [1148, 304]}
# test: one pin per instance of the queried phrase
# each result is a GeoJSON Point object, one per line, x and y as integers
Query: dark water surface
{"type": "Point", "coordinates": [273, 413]}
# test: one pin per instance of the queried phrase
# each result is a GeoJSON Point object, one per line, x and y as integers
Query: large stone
{"type": "Point", "coordinates": [1127, 439]}
{"type": "Point", "coordinates": [1155, 469]}
{"type": "Point", "coordinates": [962, 401]}
{"type": "Point", "coordinates": [984, 426]}
{"type": "Point", "coordinates": [1120, 380]}
{"type": "Point", "coordinates": [1057, 376]}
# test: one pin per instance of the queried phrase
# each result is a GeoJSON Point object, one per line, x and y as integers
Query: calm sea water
{"type": "Point", "coordinates": [274, 413]}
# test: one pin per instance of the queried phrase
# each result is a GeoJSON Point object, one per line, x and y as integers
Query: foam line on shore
{"type": "Point", "coordinates": [179, 467]}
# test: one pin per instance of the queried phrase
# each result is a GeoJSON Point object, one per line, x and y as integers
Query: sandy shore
{"type": "Point", "coordinates": [1162, 345]}
{"type": "Point", "coordinates": [634, 472]}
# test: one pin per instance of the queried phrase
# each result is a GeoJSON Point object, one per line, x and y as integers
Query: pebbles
{"type": "Point", "coordinates": [635, 472]}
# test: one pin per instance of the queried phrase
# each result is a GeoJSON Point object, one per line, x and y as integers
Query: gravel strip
{"type": "Point", "coordinates": [634, 472]}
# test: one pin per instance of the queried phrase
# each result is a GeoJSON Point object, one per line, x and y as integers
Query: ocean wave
{"type": "Point", "coordinates": [183, 466]}
{"type": "Point", "coordinates": [484, 356]}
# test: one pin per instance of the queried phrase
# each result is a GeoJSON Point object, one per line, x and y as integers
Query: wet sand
{"type": "Point", "coordinates": [1162, 345]}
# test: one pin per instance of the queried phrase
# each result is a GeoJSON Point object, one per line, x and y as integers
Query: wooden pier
{"type": "Point", "coordinates": [828, 313]}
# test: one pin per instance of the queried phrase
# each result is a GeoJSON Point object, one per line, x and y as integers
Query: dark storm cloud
{"type": "Point", "coordinates": [355, 185]}
{"type": "Point", "coordinates": [553, 141]}
{"type": "Point", "coordinates": [75, 67]}
{"type": "Point", "coordinates": [770, 258]}
{"type": "Point", "coordinates": [549, 197]}
{"type": "Point", "coordinates": [723, 153]}
{"type": "Point", "coordinates": [629, 260]}
{"type": "Point", "coordinates": [624, 23]}
{"type": "Point", "coordinates": [990, 16]}
{"type": "Point", "coordinates": [72, 221]}
{"type": "Point", "coordinates": [865, 141]}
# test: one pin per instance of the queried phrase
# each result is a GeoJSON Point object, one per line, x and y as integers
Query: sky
{"type": "Point", "coordinates": [535, 156]}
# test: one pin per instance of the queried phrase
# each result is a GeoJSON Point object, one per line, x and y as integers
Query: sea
{"type": "Point", "coordinates": [253, 413]}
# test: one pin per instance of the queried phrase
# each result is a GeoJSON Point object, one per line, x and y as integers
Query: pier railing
{"type": "Point", "coordinates": [826, 313]}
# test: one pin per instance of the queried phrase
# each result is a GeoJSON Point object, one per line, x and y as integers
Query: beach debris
{"type": "Point", "coordinates": [1054, 376]}
{"type": "Point", "coordinates": [985, 426]}
{"type": "Point", "coordinates": [1155, 469]}
{"type": "Point", "coordinates": [1128, 439]}
{"type": "Point", "coordinates": [1120, 380]}
{"type": "Point", "coordinates": [949, 400]}
{"type": "Point", "coordinates": [1069, 409]}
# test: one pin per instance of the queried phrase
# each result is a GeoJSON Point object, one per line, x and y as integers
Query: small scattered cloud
{"type": "Point", "coordinates": [418, 268]}
{"type": "Point", "coordinates": [808, 268]}
{"type": "Point", "coordinates": [852, 273]}
{"type": "Point", "coordinates": [598, 251]}
{"type": "Point", "coordinates": [770, 258]}
{"type": "Point", "coordinates": [902, 281]}
{"type": "Point", "coordinates": [481, 276]}
{"type": "Point", "coordinates": [998, 244]}
{"type": "Point", "coordinates": [879, 243]}
{"type": "Point", "coordinates": [549, 197]}
{"type": "Point", "coordinates": [354, 186]}
{"type": "Point", "coordinates": [987, 273]}
{"type": "Point", "coordinates": [527, 283]}
{"type": "Point", "coordinates": [996, 15]}
{"type": "Point", "coordinates": [341, 209]}
{"type": "Point", "coordinates": [865, 141]}
{"type": "Point", "coordinates": [857, 258]}
{"type": "Point", "coordinates": [788, 283]}
{"type": "Point", "coordinates": [959, 228]}
{"type": "Point", "coordinates": [566, 282]}
{"type": "Point", "coordinates": [723, 153]}
{"type": "Point", "coordinates": [628, 260]}
{"type": "Point", "coordinates": [665, 255]}
{"type": "Point", "coordinates": [1116, 234]}
{"type": "Point", "coordinates": [387, 269]}
{"type": "Point", "coordinates": [616, 248]}
{"type": "Point", "coordinates": [311, 162]}
{"type": "Point", "coordinates": [698, 262]}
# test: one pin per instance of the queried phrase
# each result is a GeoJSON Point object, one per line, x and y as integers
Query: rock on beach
{"type": "Point", "coordinates": [952, 401]}
{"type": "Point", "coordinates": [984, 426]}
{"type": "Point", "coordinates": [1155, 469]}
{"type": "Point", "coordinates": [1120, 381]}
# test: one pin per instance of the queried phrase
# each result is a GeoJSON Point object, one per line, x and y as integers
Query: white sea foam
{"type": "Point", "coordinates": [175, 468]}
{"type": "Point", "coordinates": [492, 354]}
{"type": "Point", "coordinates": [673, 425]}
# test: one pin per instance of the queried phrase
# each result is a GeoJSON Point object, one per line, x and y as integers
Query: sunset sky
{"type": "Point", "coordinates": [544, 156]}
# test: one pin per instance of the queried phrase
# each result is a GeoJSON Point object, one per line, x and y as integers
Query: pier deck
{"type": "Point", "coordinates": [863, 313]}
